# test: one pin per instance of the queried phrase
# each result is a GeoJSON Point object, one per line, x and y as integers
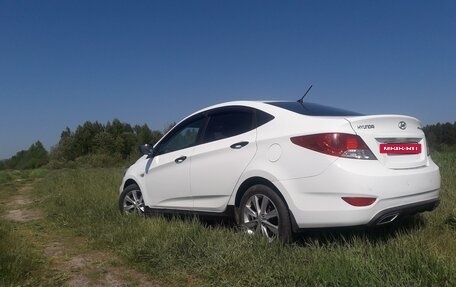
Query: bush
{"type": "Point", "coordinates": [99, 160]}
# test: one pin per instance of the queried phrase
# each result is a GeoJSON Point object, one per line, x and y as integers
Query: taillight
{"type": "Point", "coordinates": [336, 144]}
{"type": "Point", "coordinates": [359, 201]}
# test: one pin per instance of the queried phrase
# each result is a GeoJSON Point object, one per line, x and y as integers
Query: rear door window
{"type": "Point", "coordinates": [227, 124]}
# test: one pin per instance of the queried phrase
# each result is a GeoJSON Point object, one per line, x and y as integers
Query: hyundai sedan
{"type": "Point", "coordinates": [279, 167]}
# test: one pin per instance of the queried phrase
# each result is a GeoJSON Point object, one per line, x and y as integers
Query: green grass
{"type": "Point", "coordinates": [13, 177]}
{"type": "Point", "coordinates": [419, 252]}
{"type": "Point", "coordinates": [19, 261]}
{"type": "Point", "coordinates": [5, 177]}
{"type": "Point", "coordinates": [8, 177]}
{"type": "Point", "coordinates": [22, 262]}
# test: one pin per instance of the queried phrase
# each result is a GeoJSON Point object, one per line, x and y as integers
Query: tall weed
{"type": "Point", "coordinates": [419, 252]}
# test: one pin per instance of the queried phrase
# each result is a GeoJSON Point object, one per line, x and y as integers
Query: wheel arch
{"type": "Point", "coordinates": [254, 181]}
{"type": "Point", "coordinates": [132, 179]}
{"type": "Point", "coordinates": [129, 182]}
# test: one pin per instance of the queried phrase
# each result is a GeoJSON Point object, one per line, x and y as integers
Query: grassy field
{"type": "Point", "coordinates": [22, 262]}
{"type": "Point", "coordinates": [421, 251]}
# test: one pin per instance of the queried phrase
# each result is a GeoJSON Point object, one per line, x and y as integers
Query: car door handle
{"type": "Point", "coordinates": [239, 145]}
{"type": "Point", "coordinates": [180, 159]}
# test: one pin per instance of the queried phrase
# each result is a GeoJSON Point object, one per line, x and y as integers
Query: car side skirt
{"type": "Point", "coordinates": [228, 212]}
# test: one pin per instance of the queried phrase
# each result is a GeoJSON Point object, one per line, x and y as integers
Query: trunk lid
{"type": "Point", "coordinates": [397, 141]}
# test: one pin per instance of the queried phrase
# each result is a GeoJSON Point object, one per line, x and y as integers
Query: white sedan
{"type": "Point", "coordinates": [279, 167]}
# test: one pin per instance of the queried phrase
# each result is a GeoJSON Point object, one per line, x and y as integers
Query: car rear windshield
{"type": "Point", "coordinates": [311, 109]}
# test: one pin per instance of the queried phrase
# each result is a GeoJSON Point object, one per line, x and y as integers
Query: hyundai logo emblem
{"type": "Point", "coordinates": [402, 125]}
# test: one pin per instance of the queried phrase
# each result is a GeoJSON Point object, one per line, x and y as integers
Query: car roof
{"type": "Point", "coordinates": [306, 108]}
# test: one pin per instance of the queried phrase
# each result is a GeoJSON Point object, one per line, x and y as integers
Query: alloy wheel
{"type": "Point", "coordinates": [260, 216]}
{"type": "Point", "coordinates": [133, 202]}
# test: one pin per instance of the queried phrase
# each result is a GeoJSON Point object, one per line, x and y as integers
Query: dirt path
{"type": "Point", "coordinates": [19, 206]}
{"type": "Point", "coordinates": [70, 256]}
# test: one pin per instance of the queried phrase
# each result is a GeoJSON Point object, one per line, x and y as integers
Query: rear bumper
{"type": "Point", "coordinates": [317, 201]}
{"type": "Point", "coordinates": [382, 218]}
{"type": "Point", "coordinates": [391, 214]}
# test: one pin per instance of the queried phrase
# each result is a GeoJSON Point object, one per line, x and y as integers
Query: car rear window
{"type": "Point", "coordinates": [311, 109]}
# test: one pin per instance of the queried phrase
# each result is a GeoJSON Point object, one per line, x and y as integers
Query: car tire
{"type": "Point", "coordinates": [131, 200]}
{"type": "Point", "coordinates": [263, 212]}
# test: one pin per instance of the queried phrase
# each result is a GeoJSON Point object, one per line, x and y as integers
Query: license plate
{"type": "Point", "coordinates": [400, 148]}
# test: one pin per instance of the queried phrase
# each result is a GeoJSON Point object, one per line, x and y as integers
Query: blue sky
{"type": "Point", "coordinates": [66, 62]}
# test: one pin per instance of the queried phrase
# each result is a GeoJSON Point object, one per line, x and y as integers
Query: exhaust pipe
{"type": "Point", "coordinates": [387, 218]}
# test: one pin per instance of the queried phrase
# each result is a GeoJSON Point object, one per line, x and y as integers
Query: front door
{"type": "Point", "coordinates": [168, 175]}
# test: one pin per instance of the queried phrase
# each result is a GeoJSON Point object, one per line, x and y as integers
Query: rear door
{"type": "Point", "coordinates": [229, 144]}
{"type": "Point", "coordinates": [398, 142]}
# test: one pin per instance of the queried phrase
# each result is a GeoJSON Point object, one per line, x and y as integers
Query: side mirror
{"type": "Point", "coordinates": [146, 149]}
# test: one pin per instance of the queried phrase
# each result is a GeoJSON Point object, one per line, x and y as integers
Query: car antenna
{"type": "Point", "coordinates": [301, 100]}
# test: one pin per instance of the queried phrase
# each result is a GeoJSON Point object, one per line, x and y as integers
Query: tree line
{"type": "Point", "coordinates": [36, 156]}
{"type": "Point", "coordinates": [117, 139]}
{"type": "Point", "coordinates": [92, 144]}
{"type": "Point", "coordinates": [116, 143]}
{"type": "Point", "coordinates": [441, 137]}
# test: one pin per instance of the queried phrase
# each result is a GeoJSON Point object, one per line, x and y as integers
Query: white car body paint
{"type": "Point", "coordinates": [312, 183]}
